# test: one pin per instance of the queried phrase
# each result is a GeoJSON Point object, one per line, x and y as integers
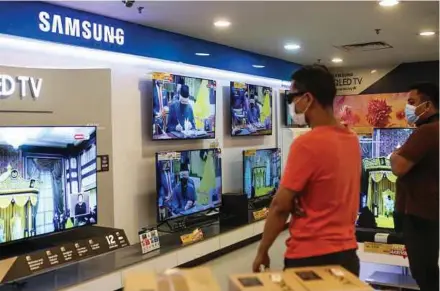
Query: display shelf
{"type": "Point", "coordinates": [105, 272]}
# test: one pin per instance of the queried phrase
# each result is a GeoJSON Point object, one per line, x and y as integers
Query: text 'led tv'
{"type": "Point", "coordinates": [47, 180]}
{"type": "Point", "coordinates": [251, 109]}
{"type": "Point", "coordinates": [183, 107]}
{"type": "Point", "coordinates": [378, 183]}
{"type": "Point", "coordinates": [261, 172]}
{"type": "Point", "coordinates": [188, 182]}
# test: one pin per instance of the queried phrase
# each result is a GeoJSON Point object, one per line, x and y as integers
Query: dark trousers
{"type": "Point", "coordinates": [422, 245]}
{"type": "Point", "coordinates": [347, 259]}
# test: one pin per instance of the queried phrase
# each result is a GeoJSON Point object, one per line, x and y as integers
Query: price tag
{"type": "Point", "coordinates": [260, 214]}
{"type": "Point", "coordinates": [196, 235]}
{"type": "Point", "coordinates": [149, 240]}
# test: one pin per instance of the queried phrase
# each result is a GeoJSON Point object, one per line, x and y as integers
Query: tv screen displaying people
{"type": "Point", "coordinates": [183, 107]}
{"type": "Point", "coordinates": [251, 109]}
{"type": "Point", "coordinates": [261, 172]}
{"type": "Point", "coordinates": [47, 180]}
{"type": "Point", "coordinates": [378, 183]}
{"type": "Point", "coordinates": [188, 182]}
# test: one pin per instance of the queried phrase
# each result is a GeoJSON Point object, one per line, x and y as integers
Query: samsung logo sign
{"type": "Point", "coordinates": [80, 28]}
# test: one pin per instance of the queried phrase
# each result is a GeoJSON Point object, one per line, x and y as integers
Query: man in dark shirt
{"type": "Point", "coordinates": [416, 164]}
{"type": "Point", "coordinates": [80, 207]}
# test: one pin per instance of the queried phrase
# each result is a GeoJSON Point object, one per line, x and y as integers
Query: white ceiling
{"type": "Point", "coordinates": [265, 26]}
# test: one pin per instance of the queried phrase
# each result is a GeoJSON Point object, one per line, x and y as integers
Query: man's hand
{"type": "Point", "coordinates": [262, 259]}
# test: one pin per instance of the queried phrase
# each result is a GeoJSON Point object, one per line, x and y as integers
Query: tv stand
{"type": "Point", "coordinates": [260, 203]}
{"type": "Point", "coordinates": [192, 221]}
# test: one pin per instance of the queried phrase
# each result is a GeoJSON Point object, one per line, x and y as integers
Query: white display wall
{"type": "Point", "coordinates": [133, 150]}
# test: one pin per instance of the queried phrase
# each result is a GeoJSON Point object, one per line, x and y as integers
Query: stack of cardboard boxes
{"type": "Point", "coordinates": [329, 278]}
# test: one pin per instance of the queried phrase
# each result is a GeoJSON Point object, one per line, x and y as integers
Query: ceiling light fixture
{"type": "Point", "coordinates": [373, 71]}
{"type": "Point", "coordinates": [222, 23]}
{"type": "Point", "coordinates": [427, 33]}
{"type": "Point", "coordinates": [388, 3]}
{"type": "Point", "coordinates": [202, 54]}
{"type": "Point", "coordinates": [258, 66]}
{"type": "Point", "coordinates": [337, 60]}
{"type": "Point", "coordinates": [292, 46]}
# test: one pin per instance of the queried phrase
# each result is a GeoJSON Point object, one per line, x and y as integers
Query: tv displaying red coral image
{"type": "Point", "coordinates": [365, 112]}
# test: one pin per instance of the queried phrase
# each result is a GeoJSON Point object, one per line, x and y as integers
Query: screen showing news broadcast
{"type": "Point", "coordinates": [251, 109]}
{"type": "Point", "coordinates": [378, 183]}
{"type": "Point", "coordinates": [188, 182]}
{"type": "Point", "coordinates": [47, 180]}
{"type": "Point", "coordinates": [183, 107]}
{"type": "Point", "coordinates": [261, 172]}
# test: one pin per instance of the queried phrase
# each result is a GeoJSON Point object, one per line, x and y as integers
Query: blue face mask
{"type": "Point", "coordinates": [410, 114]}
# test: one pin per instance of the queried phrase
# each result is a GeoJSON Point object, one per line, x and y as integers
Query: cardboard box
{"type": "Point", "coordinates": [197, 279]}
{"type": "Point", "coordinates": [327, 278]}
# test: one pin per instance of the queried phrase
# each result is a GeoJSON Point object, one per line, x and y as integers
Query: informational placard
{"type": "Point", "coordinates": [385, 249]}
{"type": "Point", "coordinates": [104, 163]}
{"type": "Point", "coordinates": [195, 236]}
{"type": "Point", "coordinates": [149, 239]}
{"type": "Point", "coordinates": [14, 268]}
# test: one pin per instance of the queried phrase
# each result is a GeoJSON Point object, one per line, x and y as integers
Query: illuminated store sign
{"type": "Point", "coordinates": [10, 86]}
{"type": "Point", "coordinates": [80, 28]}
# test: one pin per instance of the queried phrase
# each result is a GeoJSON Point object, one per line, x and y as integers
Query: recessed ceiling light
{"type": "Point", "coordinates": [373, 71]}
{"type": "Point", "coordinates": [427, 33]}
{"type": "Point", "coordinates": [388, 3]}
{"type": "Point", "coordinates": [258, 66]}
{"type": "Point", "coordinates": [292, 46]}
{"type": "Point", "coordinates": [202, 54]}
{"type": "Point", "coordinates": [337, 60]}
{"type": "Point", "coordinates": [222, 23]}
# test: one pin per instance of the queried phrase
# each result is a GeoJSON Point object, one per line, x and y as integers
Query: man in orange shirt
{"type": "Point", "coordinates": [321, 182]}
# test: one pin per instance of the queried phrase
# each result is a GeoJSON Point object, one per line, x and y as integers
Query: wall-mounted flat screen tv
{"type": "Point", "coordinates": [251, 109]}
{"type": "Point", "coordinates": [47, 180]}
{"type": "Point", "coordinates": [183, 107]}
{"type": "Point", "coordinates": [261, 172]}
{"type": "Point", "coordinates": [378, 184]}
{"type": "Point", "coordinates": [187, 182]}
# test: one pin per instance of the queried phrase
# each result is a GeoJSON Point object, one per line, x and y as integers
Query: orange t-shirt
{"type": "Point", "coordinates": [324, 167]}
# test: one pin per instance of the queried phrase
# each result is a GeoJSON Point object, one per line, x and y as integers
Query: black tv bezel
{"type": "Point", "coordinates": [243, 167]}
{"type": "Point", "coordinates": [230, 112]}
{"type": "Point", "coordinates": [177, 139]}
{"type": "Point", "coordinates": [372, 137]}
{"type": "Point", "coordinates": [157, 185]}
{"type": "Point", "coordinates": [39, 236]}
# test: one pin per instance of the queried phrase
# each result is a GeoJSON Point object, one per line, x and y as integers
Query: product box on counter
{"type": "Point", "coordinates": [327, 278]}
{"type": "Point", "coordinates": [196, 279]}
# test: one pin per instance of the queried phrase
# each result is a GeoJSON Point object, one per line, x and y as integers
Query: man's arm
{"type": "Point", "coordinates": [414, 149]}
{"type": "Point", "coordinates": [280, 208]}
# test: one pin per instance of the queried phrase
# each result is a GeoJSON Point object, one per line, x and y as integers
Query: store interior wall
{"type": "Point", "coordinates": [132, 160]}
{"type": "Point", "coordinates": [68, 97]}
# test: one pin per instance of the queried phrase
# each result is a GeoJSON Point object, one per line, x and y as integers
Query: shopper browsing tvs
{"type": "Point", "coordinates": [416, 164]}
{"type": "Point", "coordinates": [320, 184]}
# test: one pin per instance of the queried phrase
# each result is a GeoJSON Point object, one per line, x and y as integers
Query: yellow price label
{"type": "Point", "coordinates": [162, 76]}
{"type": "Point", "coordinates": [239, 85]}
{"type": "Point", "coordinates": [250, 153]}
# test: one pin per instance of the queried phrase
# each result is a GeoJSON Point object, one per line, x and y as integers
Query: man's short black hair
{"type": "Point", "coordinates": [317, 80]}
{"type": "Point", "coordinates": [428, 91]}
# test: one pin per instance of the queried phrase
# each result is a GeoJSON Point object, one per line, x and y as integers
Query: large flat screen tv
{"type": "Point", "coordinates": [251, 109]}
{"type": "Point", "coordinates": [183, 107]}
{"type": "Point", "coordinates": [261, 172]}
{"type": "Point", "coordinates": [378, 184]}
{"type": "Point", "coordinates": [47, 180]}
{"type": "Point", "coordinates": [187, 182]}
